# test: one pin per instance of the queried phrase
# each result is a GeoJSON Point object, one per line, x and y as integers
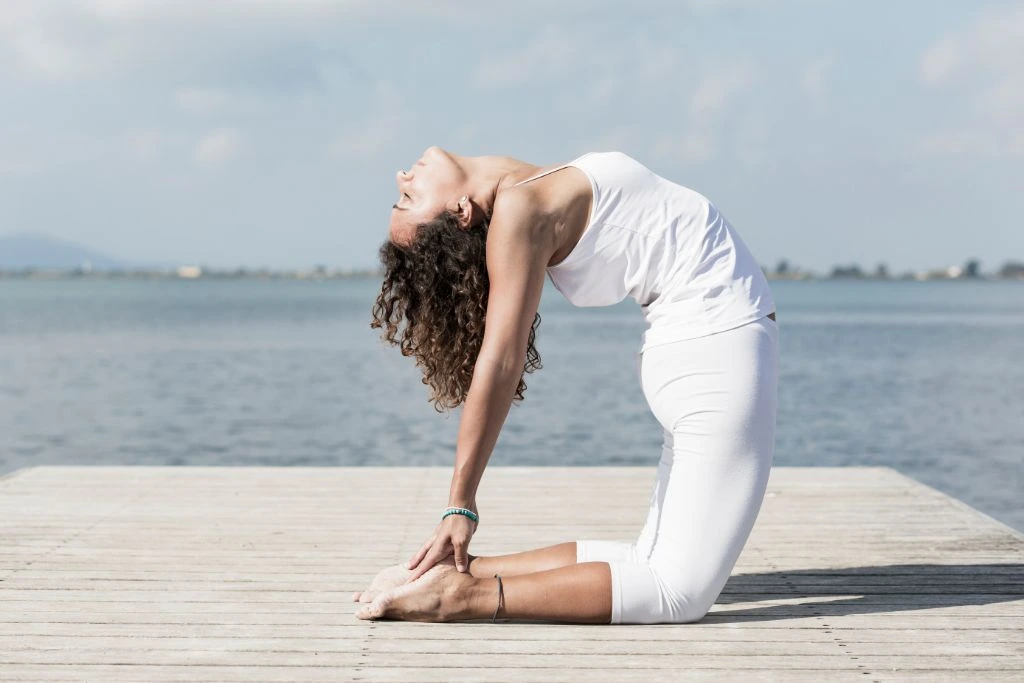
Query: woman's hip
{"type": "Point", "coordinates": [726, 380]}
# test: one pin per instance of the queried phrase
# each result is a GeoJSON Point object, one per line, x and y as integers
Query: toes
{"type": "Point", "coordinates": [375, 610]}
{"type": "Point", "coordinates": [368, 596]}
{"type": "Point", "coordinates": [355, 596]}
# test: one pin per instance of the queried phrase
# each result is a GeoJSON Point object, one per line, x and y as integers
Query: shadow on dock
{"type": "Point", "coordinates": [868, 590]}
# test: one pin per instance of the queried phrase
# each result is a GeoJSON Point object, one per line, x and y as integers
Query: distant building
{"type": "Point", "coordinates": [1012, 270]}
{"type": "Point", "coordinates": [785, 271]}
{"type": "Point", "coordinates": [851, 271]}
{"type": "Point", "coordinates": [949, 273]}
{"type": "Point", "coordinates": [189, 271]}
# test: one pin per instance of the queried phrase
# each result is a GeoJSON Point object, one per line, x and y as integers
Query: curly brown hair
{"type": "Point", "coordinates": [438, 287]}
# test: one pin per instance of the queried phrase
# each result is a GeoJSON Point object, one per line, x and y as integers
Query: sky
{"type": "Point", "coordinates": [267, 133]}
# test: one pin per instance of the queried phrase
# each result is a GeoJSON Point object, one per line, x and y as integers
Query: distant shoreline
{"type": "Point", "coordinates": [318, 275]}
{"type": "Point", "coordinates": [37, 256]}
{"type": "Point", "coordinates": [187, 275]}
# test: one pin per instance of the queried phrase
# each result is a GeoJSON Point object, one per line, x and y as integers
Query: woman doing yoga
{"type": "Point", "coordinates": [476, 236]}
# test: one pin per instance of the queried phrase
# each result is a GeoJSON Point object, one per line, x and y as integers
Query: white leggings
{"type": "Point", "coordinates": [716, 397]}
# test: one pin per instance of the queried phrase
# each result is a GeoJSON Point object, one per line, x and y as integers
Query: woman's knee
{"type": "Point", "coordinates": [653, 596]}
{"type": "Point", "coordinates": [691, 601]}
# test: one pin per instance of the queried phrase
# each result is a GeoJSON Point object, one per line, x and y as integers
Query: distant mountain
{"type": "Point", "coordinates": [37, 250]}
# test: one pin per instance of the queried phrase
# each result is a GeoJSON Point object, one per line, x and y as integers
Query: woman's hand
{"type": "Point", "coordinates": [450, 537]}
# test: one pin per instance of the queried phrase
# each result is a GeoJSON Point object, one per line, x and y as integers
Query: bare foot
{"type": "Point", "coordinates": [386, 579]}
{"type": "Point", "coordinates": [442, 593]}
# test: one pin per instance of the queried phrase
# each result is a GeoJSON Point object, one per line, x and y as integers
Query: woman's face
{"type": "Point", "coordinates": [433, 184]}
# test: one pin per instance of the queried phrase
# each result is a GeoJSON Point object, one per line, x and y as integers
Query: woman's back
{"type": "Point", "coordinates": [664, 245]}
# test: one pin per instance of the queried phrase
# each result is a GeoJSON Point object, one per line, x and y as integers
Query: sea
{"type": "Point", "coordinates": [925, 377]}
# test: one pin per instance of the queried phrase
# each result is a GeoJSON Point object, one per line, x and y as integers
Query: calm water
{"type": "Point", "coordinates": [923, 377]}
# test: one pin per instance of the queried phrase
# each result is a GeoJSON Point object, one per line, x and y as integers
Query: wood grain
{"type": "Point", "coordinates": [246, 574]}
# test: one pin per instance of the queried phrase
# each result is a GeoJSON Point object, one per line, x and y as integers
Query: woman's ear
{"type": "Point", "coordinates": [464, 212]}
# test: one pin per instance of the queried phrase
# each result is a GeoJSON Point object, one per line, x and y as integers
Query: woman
{"type": "Point", "coordinates": [475, 236]}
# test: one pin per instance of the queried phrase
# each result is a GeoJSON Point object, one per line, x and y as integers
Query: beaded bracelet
{"type": "Point", "coordinates": [461, 511]}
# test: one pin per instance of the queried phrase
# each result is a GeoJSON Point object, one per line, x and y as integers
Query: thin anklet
{"type": "Point", "coordinates": [501, 598]}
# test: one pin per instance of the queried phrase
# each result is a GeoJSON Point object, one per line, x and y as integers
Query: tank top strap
{"type": "Point", "coordinates": [550, 170]}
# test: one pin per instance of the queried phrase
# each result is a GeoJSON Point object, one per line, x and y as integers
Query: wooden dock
{"type": "Point", "coordinates": [246, 574]}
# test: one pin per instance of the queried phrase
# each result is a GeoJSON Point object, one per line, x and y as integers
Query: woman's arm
{"type": "Point", "coordinates": [518, 250]}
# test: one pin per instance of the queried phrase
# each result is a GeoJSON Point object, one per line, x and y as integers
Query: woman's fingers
{"type": "Point", "coordinates": [421, 561]}
{"type": "Point", "coordinates": [436, 554]}
{"type": "Point", "coordinates": [426, 563]}
{"type": "Point", "coordinates": [461, 548]}
{"type": "Point", "coordinates": [420, 553]}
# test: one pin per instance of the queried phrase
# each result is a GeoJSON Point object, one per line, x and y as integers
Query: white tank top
{"type": "Point", "coordinates": [664, 245]}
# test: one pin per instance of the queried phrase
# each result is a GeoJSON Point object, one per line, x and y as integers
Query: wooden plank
{"type": "Point", "coordinates": [836, 660]}
{"type": "Point", "coordinates": [425, 674]}
{"type": "Point", "coordinates": [552, 634]}
{"type": "Point", "coordinates": [16, 645]}
{"type": "Point", "coordinates": [245, 573]}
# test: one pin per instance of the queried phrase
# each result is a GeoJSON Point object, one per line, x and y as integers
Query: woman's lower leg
{"type": "Point", "coordinates": [578, 593]}
{"type": "Point", "coordinates": [526, 562]}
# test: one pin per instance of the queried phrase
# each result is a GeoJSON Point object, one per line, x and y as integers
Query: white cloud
{"type": "Point", "coordinates": [656, 62]}
{"type": "Point", "coordinates": [940, 61]}
{"type": "Point", "coordinates": [993, 45]}
{"type": "Point", "coordinates": [551, 54]}
{"type": "Point", "coordinates": [980, 68]}
{"type": "Point", "coordinates": [591, 67]}
{"type": "Point", "coordinates": [615, 139]}
{"type": "Point", "coordinates": [601, 90]}
{"type": "Point", "coordinates": [717, 87]}
{"type": "Point", "coordinates": [1003, 102]}
{"type": "Point", "coordinates": [61, 37]}
{"type": "Point", "coordinates": [200, 100]}
{"type": "Point", "coordinates": [23, 153]}
{"type": "Point", "coordinates": [40, 56]}
{"type": "Point", "coordinates": [687, 148]}
{"type": "Point", "coordinates": [389, 120]}
{"type": "Point", "coordinates": [370, 139]}
{"type": "Point", "coordinates": [146, 144]}
{"type": "Point", "coordinates": [978, 143]}
{"type": "Point", "coordinates": [814, 75]}
{"type": "Point", "coordinates": [58, 40]}
{"type": "Point", "coordinates": [218, 147]}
